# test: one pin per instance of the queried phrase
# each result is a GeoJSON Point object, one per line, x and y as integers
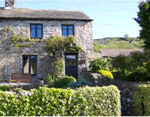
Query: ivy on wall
{"type": "Point", "coordinates": [17, 40]}
{"type": "Point", "coordinates": [56, 43]}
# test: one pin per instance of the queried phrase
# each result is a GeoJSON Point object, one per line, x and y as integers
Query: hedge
{"type": "Point", "coordinates": [103, 101]}
{"type": "Point", "coordinates": [141, 100]}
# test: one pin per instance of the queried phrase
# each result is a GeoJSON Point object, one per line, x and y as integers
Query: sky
{"type": "Point", "coordinates": [112, 18]}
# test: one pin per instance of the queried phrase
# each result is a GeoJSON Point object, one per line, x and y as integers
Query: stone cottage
{"type": "Point", "coordinates": [42, 24]}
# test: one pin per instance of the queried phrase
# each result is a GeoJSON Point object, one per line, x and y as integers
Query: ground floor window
{"type": "Point", "coordinates": [30, 64]}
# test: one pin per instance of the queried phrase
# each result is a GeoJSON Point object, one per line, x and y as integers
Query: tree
{"type": "Point", "coordinates": [143, 20]}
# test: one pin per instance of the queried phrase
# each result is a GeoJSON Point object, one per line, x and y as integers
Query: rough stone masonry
{"type": "Point", "coordinates": [11, 57]}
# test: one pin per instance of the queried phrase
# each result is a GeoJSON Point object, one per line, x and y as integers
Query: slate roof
{"type": "Point", "coordinates": [24, 13]}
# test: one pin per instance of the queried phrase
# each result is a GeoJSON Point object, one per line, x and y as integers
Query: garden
{"type": "Point", "coordinates": [65, 95]}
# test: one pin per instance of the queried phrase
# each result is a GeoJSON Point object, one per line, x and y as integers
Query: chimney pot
{"type": "Point", "coordinates": [10, 4]}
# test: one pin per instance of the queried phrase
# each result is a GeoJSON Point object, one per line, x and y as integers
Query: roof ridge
{"type": "Point", "coordinates": [48, 9]}
{"type": "Point", "coordinates": [44, 14]}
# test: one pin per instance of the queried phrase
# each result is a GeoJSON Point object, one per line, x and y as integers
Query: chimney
{"type": "Point", "coordinates": [10, 4]}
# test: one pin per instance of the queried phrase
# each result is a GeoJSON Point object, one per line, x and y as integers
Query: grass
{"type": "Point", "coordinates": [116, 43]}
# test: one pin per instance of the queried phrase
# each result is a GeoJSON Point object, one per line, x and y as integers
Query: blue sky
{"type": "Point", "coordinates": [112, 18]}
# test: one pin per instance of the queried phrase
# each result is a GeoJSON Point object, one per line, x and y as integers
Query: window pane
{"type": "Point", "coordinates": [39, 26]}
{"type": "Point", "coordinates": [70, 32]}
{"type": "Point", "coordinates": [70, 27]}
{"type": "Point", "coordinates": [39, 33]}
{"type": "Point", "coordinates": [33, 64]}
{"type": "Point", "coordinates": [25, 65]}
{"type": "Point", "coordinates": [33, 26]}
{"type": "Point", "coordinates": [64, 33]}
{"type": "Point", "coordinates": [32, 33]}
{"type": "Point", "coordinates": [64, 27]}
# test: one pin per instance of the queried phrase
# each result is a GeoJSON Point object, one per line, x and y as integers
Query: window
{"type": "Point", "coordinates": [36, 30]}
{"type": "Point", "coordinates": [67, 30]}
{"type": "Point", "coordinates": [30, 64]}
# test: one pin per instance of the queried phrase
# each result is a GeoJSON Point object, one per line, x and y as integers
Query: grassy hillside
{"type": "Point", "coordinates": [119, 43]}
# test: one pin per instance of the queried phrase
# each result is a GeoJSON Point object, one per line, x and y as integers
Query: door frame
{"type": "Point", "coordinates": [76, 61]}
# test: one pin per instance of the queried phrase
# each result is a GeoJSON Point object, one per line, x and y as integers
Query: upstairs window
{"type": "Point", "coordinates": [67, 30]}
{"type": "Point", "coordinates": [36, 30]}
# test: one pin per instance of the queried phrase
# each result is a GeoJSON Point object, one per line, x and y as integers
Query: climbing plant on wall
{"type": "Point", "coordinates": [17, 40]}
{"type": "Point", "coordinates": [56, 43]}
{"type": "Point", "coordinates": [143, 20]}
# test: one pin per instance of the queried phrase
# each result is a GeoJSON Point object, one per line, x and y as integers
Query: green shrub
{"type": "Point", "coordinates": [106, 73]}
{"type": "Point", "coordinates": [123, 75]}
{"type": "Point", "coordinates": [129, 63]}
{"type": "Point", "coordinates": [102, 101]}
{"type": "Point", "coordinates": [5, 87]}
{"type": "Point", "coordinates": [51, 78]}
{"type": "Point", "coordinates": [141, 100]}
{"type": "Point", "coordinates": [64, 81]}
{"type": "Point", "coordinates": [131, 68]}
{"type": "Point", "coordinates": [140, 74]}
{"type": "Point", "coordinates": [81, 82]}
{"type": "Point", "coordinates": [96, 47]}
{"type": "Point", "coordinates": [99, 64]}
{"type": "Point", "coordinates": [147, 66]}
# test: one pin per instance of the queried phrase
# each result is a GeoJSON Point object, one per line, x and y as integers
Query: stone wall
{"type": "Point", "coordinates": [83, 31]}
{"type": "Point", "coordinates": [12, 61]}
{"type": "Point", "coordinates": [11, 57]}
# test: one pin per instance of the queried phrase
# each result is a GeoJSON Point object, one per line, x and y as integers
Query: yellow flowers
{"type": "Point", "coordinates": [106, 73]}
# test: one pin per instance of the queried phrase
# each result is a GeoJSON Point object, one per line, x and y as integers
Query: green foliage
{"type": "Point", "coordinates": [98, 101]}
{"type": "Point", "coordinates": [17, 40]}
{"type": "Point", "coordinates": [57, 72]}
{"type": "Point", "coordinates": [51, 78]}
{"type": "Point", "coordinates": [58, 66]}
{"type": "Point", "coordinates": [100, 64]}
{"type": "Point", "coordinates": [147, 66]}
{"type": "Point", "coordinates": [141, 100]}
{"type": "Point", "coordinates": [129, 63]}
{"type": "Point", "coordinates": [106, 73]}
{"type": "Point", "coordinates": [64, 81]}
{"type": "Point", "coordinates": [55, 43]}
{"type": "Point", "coordinates": [140, 74]}
{"type": "Point", "coordinates": [116, 43]}
{"type": "Point", "coordinates": [96, 47]}
{"type": "Point", "coordinates": [132, 68]}
{"type": "Point", "coordinates": [5, 87]}
{"type": "Point", "coordinates": [123, 75]}
{"type": "Point", "coordinates": [101, 100]}
{"type": "Point", "coordinates": [143, 20]}
{"type": "Point", "coordinates": [7, 31]}
{"type": "Point", "coordinates": [81, 82]}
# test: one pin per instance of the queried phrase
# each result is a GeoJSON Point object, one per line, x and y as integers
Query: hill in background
{"type": "Point", "coordinates": [119, 43]}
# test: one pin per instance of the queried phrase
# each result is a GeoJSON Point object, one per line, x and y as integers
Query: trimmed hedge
{"type": "Point", "coordinates": [104, 101]}
{"type": "Point", "coordinates": [141, 100]}
{"type": "Point", "coordinates": [5, 87]}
